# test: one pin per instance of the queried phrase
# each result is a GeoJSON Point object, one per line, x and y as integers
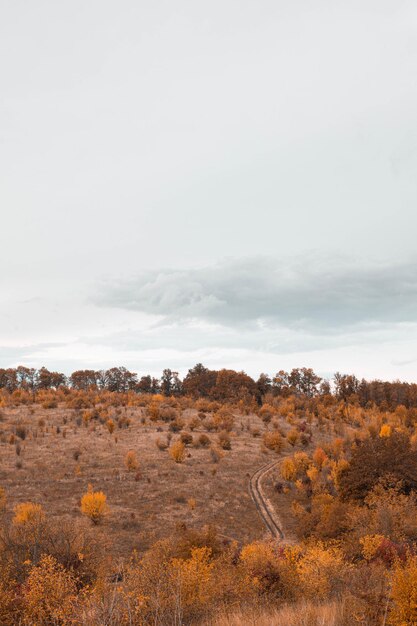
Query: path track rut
{"type": "Point", "coordinates": [264, 507]}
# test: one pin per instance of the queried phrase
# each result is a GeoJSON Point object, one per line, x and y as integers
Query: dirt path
{"type": "Point", "coordinates": [265, 509]}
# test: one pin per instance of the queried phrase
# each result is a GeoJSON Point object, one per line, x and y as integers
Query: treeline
{"type": "Point", "coordinates": [224, 384]}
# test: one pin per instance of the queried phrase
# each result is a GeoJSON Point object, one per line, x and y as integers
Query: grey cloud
{"type": "Point", "coordinates": [10, 356]}
{"type": "Point", "coordinates": [311, 293]}
{"type": "Point", "coordinates": [187, 336]}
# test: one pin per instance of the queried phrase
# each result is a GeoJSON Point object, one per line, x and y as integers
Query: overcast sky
{"type": "Point", "coordinates": [229, 182]}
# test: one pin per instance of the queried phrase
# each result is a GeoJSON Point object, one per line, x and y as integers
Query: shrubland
{"type": "Point", "coordinates": [124, 501]}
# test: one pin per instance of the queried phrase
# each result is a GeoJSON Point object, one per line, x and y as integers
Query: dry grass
{"type": "Point", "coordinates": [302, 614]}
{"type": "Point", "coordinates": [61, 455]}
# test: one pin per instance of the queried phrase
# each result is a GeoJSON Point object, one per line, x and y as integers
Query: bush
{"type": "Point", "coordinates": [131, 461]}
{"type": "Point", "coordinates": [224, 440]}
{"type": "Point", "coordinates": [273, 441]}
{"type": "Point", "coordinates": [161, 444]}
{"type": "Point", "coordinates": [288, 469]}
{"type": "Point", "coordinates": [216, 454]}
{"type": "Point", "coordinates": [94, 505]}
{"type": "Point", "coordinates": [204, 440]}
{"type": "Point", "coordinates": [28, 514]}
{"type": "Point", "coordinates": [49, 404]}
{"type": "Point", "coordinates": [21, 432]}
{"type": "Point", "coordinates": [177, 425]}
{"type": "Point", "coordinates": [186, 439]}
{"type": "Point", "coordinates": [293, 436]}
{"type": "Point", "coordinates": [194, 423]}
{"type": "Point", "coordinates": [404, 593]}
{"type": "Point", "coordinates": [177, 452]}
{"type": "Point", "coordinates": [267, 412]}
{"type": "Point", "coordinates": [167, 413]}
{"type": "Point", "coordinates": [49, 593]}
{"type": "Point", "coordinates": [223, 420]}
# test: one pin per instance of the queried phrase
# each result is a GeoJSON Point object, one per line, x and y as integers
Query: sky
{"type": "Point", "coordinates": [233, 183]}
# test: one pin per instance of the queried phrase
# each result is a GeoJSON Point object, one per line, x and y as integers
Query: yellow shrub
{"type": "Point", "coordinates": [320, 569]}
{"type": "Point", "coordinates": [319, 457]}
{"type": "Point", "coordinates": [28, 514]}
{"type": "Point", "coordinates": [177, 452]}
{"type": "Point", "coordinates": [337, 468]}
{"type": "Point", "coordinates": [370, 545]}
{"type": "Point", "coordinates": [110, 426]}
{"type": "Point", "coordinates": [385, 431]}
{"type": "Point", "coordinates": [288, 469]}
{"type": "Point", "coordinates": [257, 556]}
{"type": "Point", "coordinates": [193, 577]}
{"type": "Point", "coordinates": [404, 594]}
{"type": "Point", "coordinates": [301, 462]}
{"type": "Point", "coordinates": [94, 505]}
{"type": "Point", "coordinates": [313, 473]}
{"type": "Point", "coordinates": [49, 594]}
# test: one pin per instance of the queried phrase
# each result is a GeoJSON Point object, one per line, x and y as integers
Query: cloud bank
{"type": "Point", "coordinates": [310, 294]}
{"type": "Point", "coordinates": [257, 314]}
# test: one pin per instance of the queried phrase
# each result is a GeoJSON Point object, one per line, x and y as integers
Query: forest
{"type": "Point", "coordinates": [212, 500]}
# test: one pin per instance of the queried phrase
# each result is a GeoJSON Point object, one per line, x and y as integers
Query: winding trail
{"type": "Point", "coordinates": [264, 507]}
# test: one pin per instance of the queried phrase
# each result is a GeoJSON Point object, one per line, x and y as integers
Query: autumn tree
{"type": "Point", "coordinates": [379, 457]}
{"type": "Point", "coordinates": [83, 379]}
{"type": "Point", "coordinates": [346, 385]}
{"type": "Point", "coordinates": [263, 385]}
{"type": "Point", "coordinates": [120, 379]}
{"type": "Point", "coordinates": [148, 384]}
{"type": "Point", "coordinates": [8, 379]}
{"type": "Point", "coordinates": [170, 383]}
{"type": "Point", "coordinates": [231, 385]}
{"type": "Point", "coordinates": [50, 380]}
{"type": "Point", "coordinates": [199, 381]}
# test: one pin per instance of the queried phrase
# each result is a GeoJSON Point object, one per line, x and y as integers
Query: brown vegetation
{"type": "Point", "coordinates": [176, 539]}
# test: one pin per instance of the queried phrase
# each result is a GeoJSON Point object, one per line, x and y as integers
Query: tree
{"type": "Point", "coordinates": [281, 384]}
{"type": "Point", "coordinates": [8, 379]}
{"type": "Point", "coordinates": [145, 384]}
{"type": "Point", "coordinates": [83, 379]}
{"type": "Point", "coordinates": [50, 380]}
{"type": "Point", "coordinates": [199, 381]}
{"type": "Point", "coordinates": [26, 378]}
{"type": "Point", "coordinates": [346, 385]}
{"type": "Point", "coordinates": [263, 385]}
{"type": "Point", "coordinates": [170, 383]}
{"type": "Point", "coordinates": [231, 385]}
{"type": "Point", "coordinates": [120, 379]}
{"type": "Point", "coordinates": [376, 458]}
